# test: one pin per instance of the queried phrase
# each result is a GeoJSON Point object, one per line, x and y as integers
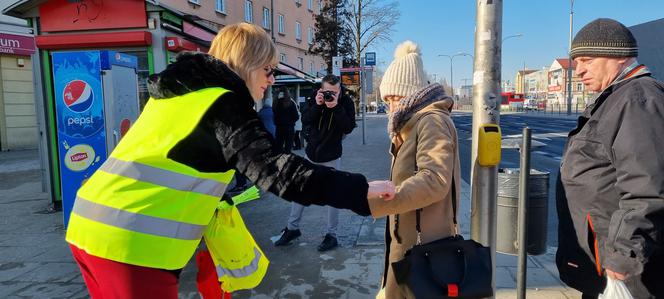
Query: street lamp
{"type": "Point", "coordinates": [511, 36]}
{"type": "Point", "coordinates": [451, 57]}
{"type": "Point", "coordinates": [501, 45]}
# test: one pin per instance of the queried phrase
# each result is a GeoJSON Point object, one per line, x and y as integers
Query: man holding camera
{"type": "Point", "coordinates": [328, 117]}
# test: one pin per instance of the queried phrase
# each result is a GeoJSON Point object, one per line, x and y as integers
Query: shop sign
{"type": "Point", "coordinates": [177, 44]}
{"type": "Point", "coordinates": [68, 15]}
{"type": "Point", "coordinates": [17, 44]}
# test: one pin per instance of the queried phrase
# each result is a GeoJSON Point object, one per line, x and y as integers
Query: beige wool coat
{"type": "Point", "coordinates": [430, 142]}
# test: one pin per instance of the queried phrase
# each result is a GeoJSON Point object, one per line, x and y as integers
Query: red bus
{"type": "Point", "coordinates": [510, 97]}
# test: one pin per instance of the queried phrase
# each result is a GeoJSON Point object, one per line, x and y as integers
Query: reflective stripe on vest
{"type": "Point", "coordinates": [163, 177]}
{"type": "Point", "coordinates": [137, 222]}
{"type": "Point", "coordinates": [244, 271]}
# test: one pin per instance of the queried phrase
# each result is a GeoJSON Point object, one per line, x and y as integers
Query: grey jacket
{"type": "Point", "coordinates": [613, 177]}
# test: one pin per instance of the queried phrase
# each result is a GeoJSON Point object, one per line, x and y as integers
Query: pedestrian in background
{"type": "Point", "coordinates": [610, 195]}
{"type": "Point", "coordinates": [425, 162]}
{"type": "Point", "coordinates": [266, 114]}
{"type": "Point", "coordinates": [138, 219]}
{"type": "Point", "coordinates": [297, 138]}
{"type": "Point", "coordinates": [285, 116]}
{"type": "Point", "coordinates": [330, 115]}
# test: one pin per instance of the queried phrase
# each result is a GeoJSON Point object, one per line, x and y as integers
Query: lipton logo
{"type": "Point", "coordinates": [79, 157]}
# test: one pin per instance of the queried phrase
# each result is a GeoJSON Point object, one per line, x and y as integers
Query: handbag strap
{"type": "Point", "coordinates": [454, 211]}
{"type": "Point", "coordinates": [418, 212]}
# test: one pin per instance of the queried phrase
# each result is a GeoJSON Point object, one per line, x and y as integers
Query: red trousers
{"type": "Point", "coordinates": [109, 279]}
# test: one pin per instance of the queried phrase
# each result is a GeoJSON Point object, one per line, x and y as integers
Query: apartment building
{"type": "Point", "coordinates": [536, 84]}
{"type": "Point", "coordinates": [289, 22]}
{"type": "Point", "coordinates": [557, 87]}
{"type": "Point", "coordinates": [519, 80]}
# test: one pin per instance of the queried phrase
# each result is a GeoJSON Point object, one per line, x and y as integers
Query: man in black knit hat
{"type": "Point", "coordinates": [610, 192]}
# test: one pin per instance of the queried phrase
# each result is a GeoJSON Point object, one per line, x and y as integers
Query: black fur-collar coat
{"type": "Point", "coordinates": [231, 136]}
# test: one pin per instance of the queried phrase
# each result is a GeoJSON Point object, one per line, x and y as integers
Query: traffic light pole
{"type": "Point", "coordinates": [486, 110]}
{"type": "Point", "coordinates": [363, 100]}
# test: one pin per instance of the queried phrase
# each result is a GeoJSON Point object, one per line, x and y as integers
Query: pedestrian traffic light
{"type": "Point", "coordinates": [489, 145]}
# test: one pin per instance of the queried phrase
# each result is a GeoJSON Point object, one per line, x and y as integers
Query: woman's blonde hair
{"type": "Point", "coordinates": [244, 48]}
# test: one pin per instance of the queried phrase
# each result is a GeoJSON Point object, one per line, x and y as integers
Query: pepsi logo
{"type": "Point", "coordinates": [78, 96]}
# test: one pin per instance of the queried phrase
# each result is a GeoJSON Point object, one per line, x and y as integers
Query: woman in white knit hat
{"type": "Point", "coordinates": [425, 161]}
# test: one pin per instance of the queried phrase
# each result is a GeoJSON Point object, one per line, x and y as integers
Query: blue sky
{"type": "Point", "coordinates": [447, 27]}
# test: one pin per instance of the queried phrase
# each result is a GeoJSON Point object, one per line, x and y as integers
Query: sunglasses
{"type": "Point", "coordinates": [269, 71]}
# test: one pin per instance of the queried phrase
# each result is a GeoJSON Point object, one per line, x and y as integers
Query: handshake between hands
{"type": "Point", "coordinates": [381, 189]}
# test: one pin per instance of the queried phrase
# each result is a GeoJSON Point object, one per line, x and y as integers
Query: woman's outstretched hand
{"type": "Point", "coordinates": [381, 189]}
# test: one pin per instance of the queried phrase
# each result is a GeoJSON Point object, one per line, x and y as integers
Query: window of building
{"type": "Point", "coordinates": [579, 86]}
{"type": "Point", "coordinates": [311, 68]}
{"type": "Point", "coordinates": [282, 58]}
{"type": "Point", "coordinates": [281, 24]}
{"type": "Point", "coordinates": [310, 35]}
{"type": "Point", "coordinates": [300, 63]}
{"type": "Point", "coordinates": [195, 2]}
{"type": "Point", "coordinates": [266, 18]}
{"type": "Point", "coordinates": [310, 5]}
{"type": "Point", "coordinates": [298, 31]}
{"type": "Point", "coordinates": [248, 11]}
{"type": "Point", "coordinates": [220, 6]}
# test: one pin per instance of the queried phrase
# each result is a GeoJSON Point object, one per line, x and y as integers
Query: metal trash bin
{"type": "Point", "coordinates": [537, 214]}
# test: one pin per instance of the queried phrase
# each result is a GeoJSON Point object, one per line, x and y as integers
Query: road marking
{"type": "Point", "coordinates": [548, 155]}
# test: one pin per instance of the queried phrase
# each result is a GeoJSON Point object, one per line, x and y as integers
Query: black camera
{"type": "Point", "coordinates": [328, 95]}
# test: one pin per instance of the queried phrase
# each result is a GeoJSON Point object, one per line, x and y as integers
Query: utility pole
{"type": "Point", "coordinates": [274, 40]}
{"type": "Point", "coordinates": [486, 110]}
{"type": "Point", "coordinates": [569, 57]}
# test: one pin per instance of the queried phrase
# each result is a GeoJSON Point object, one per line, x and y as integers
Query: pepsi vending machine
{"type": "Point", "coordinates": [96, 101]}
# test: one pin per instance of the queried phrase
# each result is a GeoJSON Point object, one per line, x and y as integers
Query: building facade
{"type": "Point", "coordinates": [18, 120]}
{"type": "Point", "coordinates": [153, 32]}
{"type": "Point", "coordinates": [651, 46]}
{"type": "Point", "coordinates": [536, 84]}
{"type": "Point", "coordinates": [291, 23]}
{"type": "Point", "coordinates": [519, 80]}
{"type": "Point", "coordinates": [557, 85]}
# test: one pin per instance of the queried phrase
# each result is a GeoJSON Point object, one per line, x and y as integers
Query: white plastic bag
{"type": "Point", "coordinates": [615, 289]}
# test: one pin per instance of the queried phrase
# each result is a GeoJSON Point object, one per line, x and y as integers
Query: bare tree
{"type": "Point", "coordinates": [371, 21]}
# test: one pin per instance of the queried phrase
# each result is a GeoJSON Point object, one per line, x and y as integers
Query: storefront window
{"type": "Point", "coordinates": [143, 73]}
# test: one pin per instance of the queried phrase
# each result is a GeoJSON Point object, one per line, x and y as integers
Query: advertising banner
{"type": "Point", "coordinates": [17, 44]}
{"type": "Point", "coordinates": [79, 113]}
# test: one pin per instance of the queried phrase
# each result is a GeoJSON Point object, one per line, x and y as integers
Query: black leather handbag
{"type": "Point", "coordinates": [447, 268]}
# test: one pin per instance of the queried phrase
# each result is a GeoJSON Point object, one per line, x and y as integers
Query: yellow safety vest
{"type": "Point", "coordinates": [144, 209]}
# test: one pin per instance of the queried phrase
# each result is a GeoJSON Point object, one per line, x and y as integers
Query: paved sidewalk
{"type": "Point", "coordinates": [35, 261]}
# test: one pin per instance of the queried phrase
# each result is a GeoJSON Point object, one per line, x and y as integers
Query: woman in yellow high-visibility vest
{"type": "Point", "coordinates": [137, 221]}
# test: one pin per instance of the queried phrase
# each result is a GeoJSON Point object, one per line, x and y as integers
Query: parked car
{"type": "Point", "coordinates": [381, 109]}
{"type": "Point", "coordinates": [531, 104]}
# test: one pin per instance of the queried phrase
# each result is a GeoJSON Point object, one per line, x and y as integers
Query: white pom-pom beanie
{"type": "Point", "coordinates": [405, 75]}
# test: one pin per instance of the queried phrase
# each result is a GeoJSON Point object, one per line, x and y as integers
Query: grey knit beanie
{"type": "Point", "coordinates": [604, 38]}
